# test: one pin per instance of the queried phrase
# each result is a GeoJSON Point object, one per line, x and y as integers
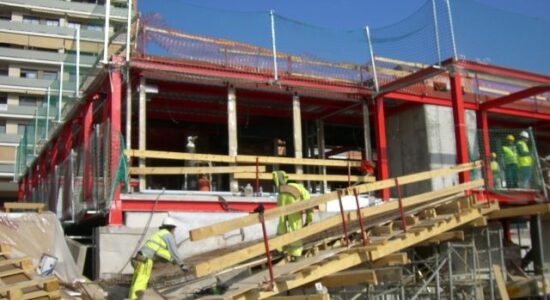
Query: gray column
{"type": "Point", "coordinates": [128, 112]}
{"type": "Point", "coordinates": [297, 128]}
{"type": "Point", "coordinates": [142, 128]}
{"type": "Point", "coordinates": [232, 131]}
{"type": "Point", "coordinates": [366, 131]}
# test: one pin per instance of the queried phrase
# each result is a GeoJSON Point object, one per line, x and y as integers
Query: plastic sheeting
{"type": "Point", "coordinates": [32, 234]}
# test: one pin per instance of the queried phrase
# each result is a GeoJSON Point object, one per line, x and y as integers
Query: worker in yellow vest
{"type": "Point", "coordinates": [161, 246]}
{"type": "Point", "coordinates": [495, 168]}
{"type": "Point", "coordinates": [525, 161]}
{"type": "Point", "coordinates": [290, 192]}
{"type": "Point", "coordinates": [510, 157]}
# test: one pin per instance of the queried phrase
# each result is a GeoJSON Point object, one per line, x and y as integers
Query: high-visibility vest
{"type": "Point", "coordinates": [524, 160]}
{"type": "Point", "coordinates": [510, 155]}
{"type": "Point", "coordinates": [158, 245]}
{"type": "Point", "coordinates": [495, 167]}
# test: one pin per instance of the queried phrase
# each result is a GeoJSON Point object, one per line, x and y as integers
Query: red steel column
{"type": "Point", "coordinates": [381, 144]}
{"type": "Point", "coordinates": [460, 126]}
{"type": "Point", "coordinates": [20, 190]}
{"type": "Point", "coordinates": [483, 124]}
{"type": "Point", "coordinates": [87, 178]}
{"type": "Point", "coordinates": [114, 103]}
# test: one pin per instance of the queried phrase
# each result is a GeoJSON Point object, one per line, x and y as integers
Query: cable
{"type": "Point", "coordinates": [145, 229]}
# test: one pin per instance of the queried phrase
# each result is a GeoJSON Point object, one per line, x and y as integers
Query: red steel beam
{"type": "Point", "coordinates": [411, 79]}
{"type": "Point", "coordinates": [532, 91]}
{"type": "Point", "coordinates": [87, 178]}
{"type": "Point", "coordinates": [503, 71]}
{"type": "Point", "coordinates": [381, 145]}
{"type": "Point", "coordinates": [460, 126]}
{"type": "Point", "coordinates": [140, 205]}
{"type": "Point", "coordinates": [483, 124]}
{"type": "Point", "coordinates": [115, 99]}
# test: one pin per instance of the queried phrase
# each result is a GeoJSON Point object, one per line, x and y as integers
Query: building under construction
{"type": "Point", "coordinates": [397, 148]}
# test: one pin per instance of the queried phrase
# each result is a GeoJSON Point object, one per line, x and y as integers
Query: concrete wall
{"type": "Point", "coordinates": [423, 138]}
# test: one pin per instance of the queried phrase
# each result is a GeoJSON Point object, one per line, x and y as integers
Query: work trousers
{"type": "Point", "coordinates": [142, 273]}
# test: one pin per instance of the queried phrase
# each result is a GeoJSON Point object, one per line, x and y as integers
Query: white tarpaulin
{"type": "Point", "coordinates": [32, 235]}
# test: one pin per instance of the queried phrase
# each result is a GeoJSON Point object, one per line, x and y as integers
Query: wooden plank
{"type": "Point", "coordinates": [501, 285]}
{"type": "Point", "coordinates": [24, 263]}
{"type": "Point", "coordinates": [350, 278]}
{"type": "Point", "coordinates": [309, 177]}
{"type": "Point", "coordinates": [229, 225]}
{"type": "Point", "coordinates": [302, 297]}
{"type": "Point", "coordinates": [446, 236]}
{"type": "Point", "coordinates": [393, 259]}
{"type": "Point", "coordinates": [9, 206]}
{"type": "Point", "coordinates": [25, 284]}
{"type": "Point", "coordinates": [242, 158]}
{"type": "Point", "coordinates": [235, 257]}
{"type": "Point", "coordinates": [193, 170]}
{"type": "Point", "coordinates": [525, 210]}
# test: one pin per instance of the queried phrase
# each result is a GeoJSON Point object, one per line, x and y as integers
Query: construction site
{"type": "Point", "coordinates": [414, 171]}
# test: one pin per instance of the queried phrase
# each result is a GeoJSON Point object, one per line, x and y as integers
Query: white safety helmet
{"type": "Point", "coordinates": [169, 221]}
{"type": "Point", "coordinates": [524, 134]}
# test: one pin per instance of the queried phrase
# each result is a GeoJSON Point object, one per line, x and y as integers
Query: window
{"type": "Point", "coordinates": [95, 27]}
{"type": "Point", "coordinates": [3, 101]}
{"type": "Point", "coordinates": [74, 25]}
{"type": "Point", "coordinates": [3, 126]}
{"type": "Point", "coordinates": [52, 22]}
{"type": "Point", "coordinates": [27, 101]}
{"type": "Point", "coordinates": [21, 128]}
{"type": "Point", "coordinates": [31, 20]}
{"type": "Point", "coordinates": [49, 75]}
{"type": "Point", "coordinates": [31, 74]}
{"type": "Point", "coordinates": [4, 70]}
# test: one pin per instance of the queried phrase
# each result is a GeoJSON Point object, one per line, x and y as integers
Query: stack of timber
{"type": "Point", "coordinates": [23, 206]}
{"type": "Point", "coordinates": [430, 217]}
{"type": "Point", "coordinates": [17, 280]}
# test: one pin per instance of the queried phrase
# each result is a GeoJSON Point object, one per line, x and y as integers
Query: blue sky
{"type": "Point", "coordinates": [504, 32]}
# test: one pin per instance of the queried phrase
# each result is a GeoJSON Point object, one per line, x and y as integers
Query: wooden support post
{"type": "Point", "coordinates": [297, 130]}
{"type": "Point", "coordinates": [321, 149]}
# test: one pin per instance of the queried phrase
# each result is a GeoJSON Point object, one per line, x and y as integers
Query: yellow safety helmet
{"type": "Point", "coordinates": [493, 155]}
{"type": "Point", "coordinates": [279, 178]}
{"type": "Point", "coordinates": [510, 138]}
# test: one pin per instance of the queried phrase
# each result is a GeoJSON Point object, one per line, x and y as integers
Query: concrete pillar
{"type": "Point", "coordinates": [232, 131]}
{"type": "Point", "coordinates": [321, 148]}
{"type": "Point", "coordinates": [366, 131]}
{"type": "Point", "coordinates": [142, 128]}
{"type": "Point", "coordinates": [297, 129]}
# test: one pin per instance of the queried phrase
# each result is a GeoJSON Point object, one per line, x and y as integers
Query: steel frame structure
{"type": "Point", "coordinates": [65, 139]}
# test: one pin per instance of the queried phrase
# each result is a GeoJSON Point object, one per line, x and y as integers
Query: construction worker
{"type": "Point", "coordinates": [525, 161]}
{"type": "Point", "coordinates": [161, 246]}
{"type": "Point", "coordinates": [510, 156]}
{"type": "Point", "coordinates": [495, 168]}
{"type": "Point", "coordinates": [290, 192]}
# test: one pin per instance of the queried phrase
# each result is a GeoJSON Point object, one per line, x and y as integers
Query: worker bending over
{"type": "Point", "coordinates": [161, 246]}
{"type": "Point", "coordinates": [290, 192]}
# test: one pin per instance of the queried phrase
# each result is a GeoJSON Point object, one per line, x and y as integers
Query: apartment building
{"type": "Point", "coordinates": [38, 51]}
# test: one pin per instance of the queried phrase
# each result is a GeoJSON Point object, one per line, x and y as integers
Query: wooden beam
{"type": "Point", "coordinates": [309, 177]}
{"type": "Point", "coordinates": [221, 262]}
{"type": "Point", "coordinates": [193, 170]}
{"type": "Point", "coordinates": [501, 284]}
{"type": "Point", "coordinates": [303, 297]}
{"type": "Point", "coordinates": [9, 206]}
{"type": "Point", "coordinates": [241, 158]}
{"type": "Point", "coordinates": [350, 278]}
{"type": "Point", "coordinates": [520, 211]}
{"type": "Point", "coordinates": [229, 225]}
{"type": "Point", "coordinates": [446, 236]}
{"type": "Point", "coordinates": [393, 259]}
